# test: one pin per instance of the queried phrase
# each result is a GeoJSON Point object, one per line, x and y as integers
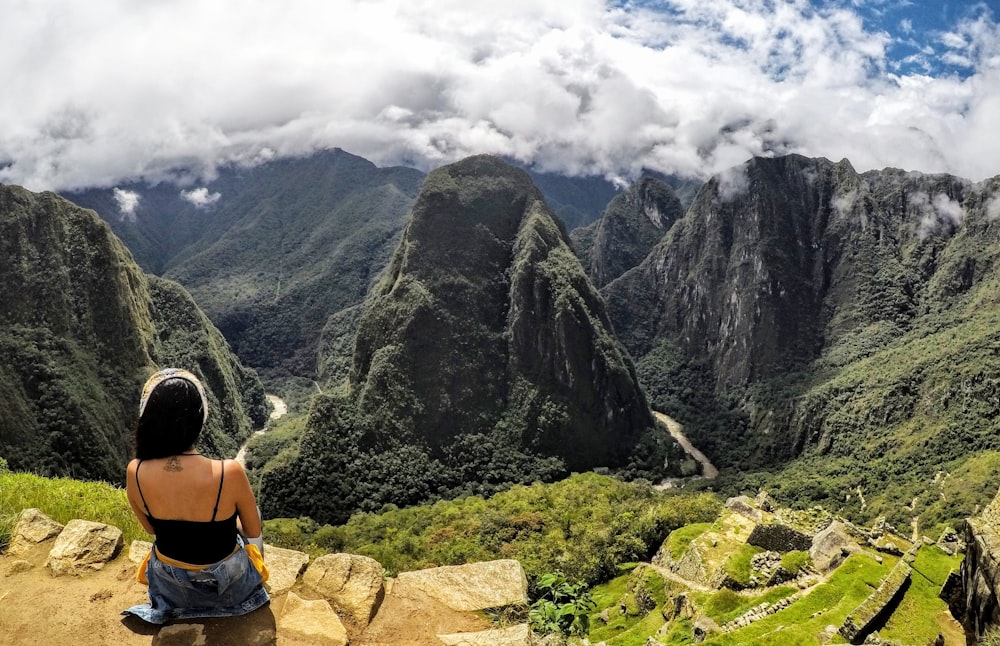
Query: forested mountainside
{"type": "Point", "coordinates": [483, 356]}
{"type": "Point", "coordinates": [852, 321]}
{"type": "Point", "coordinates": [628, 229]}
{"type": "Point", "coordinates": [274, 250]}
{"type": "Point", "coordinates": [81, 328]}
{"type": "Point", "coordinates": [278, 252]}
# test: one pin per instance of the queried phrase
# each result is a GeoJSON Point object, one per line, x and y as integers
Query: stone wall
{"type": "Point", "coordinates": [776, 537]}
{"type": "Point", "coordinates": [862, 619]}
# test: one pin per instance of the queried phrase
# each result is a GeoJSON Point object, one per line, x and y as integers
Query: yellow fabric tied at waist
{"type": "Point", "coordinates": [256, 558]}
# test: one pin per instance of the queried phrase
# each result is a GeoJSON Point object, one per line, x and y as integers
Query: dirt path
{"type": "Point", "coordinates": [708, 470]}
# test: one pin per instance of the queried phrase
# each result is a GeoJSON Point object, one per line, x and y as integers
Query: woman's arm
{"type": "Point", "coordinates": [246, 504]}
{"type": "Point", "coordinates": [134, 500]}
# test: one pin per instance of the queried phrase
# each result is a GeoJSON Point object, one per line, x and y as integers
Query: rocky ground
{"type": "Point", "coordinates": [84, 608]}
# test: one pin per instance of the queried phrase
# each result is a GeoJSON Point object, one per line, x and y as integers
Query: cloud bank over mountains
{"type": "Point", "coordinates": [102, 92]}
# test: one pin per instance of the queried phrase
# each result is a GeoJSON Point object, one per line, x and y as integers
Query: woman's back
{"type": "Point", "coordinates": [192, 517]}
{"type": "Point", "coordinates": [184, 487]}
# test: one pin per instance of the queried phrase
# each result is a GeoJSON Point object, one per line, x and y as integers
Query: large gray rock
{"type": "Point", "coordinates": [284, 566]}
{"type": "Point", "coordinates": [138, 551]}
{"type": "Point", "coordinates": [831, 546]}
{"type": "Point", "coordinates": [313, 621]}
{"type": "Point", "coordinates": [474, 586]}
{"type": "Point", "coordinates": [84, 546]}
{"type": "Point", "coordinates": [519, 635]}
{"type": "Point", "coordinates": [32, 527]}
{"type": "Point", "coordinates": [353, 583]}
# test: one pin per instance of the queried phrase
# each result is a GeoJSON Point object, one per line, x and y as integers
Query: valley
{"type": "Point", "coordinates": [827, 336]}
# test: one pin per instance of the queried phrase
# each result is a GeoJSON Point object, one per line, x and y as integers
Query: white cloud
{"type": "Point", "coordinates": [200, 197]}
{"type": "Point", "coordinates": [843, 204]}
{"type": "Point", "coordinates": [993, 209]}
{"type": "Point", "coordinates": [935, 212]}
{"type": "Point", "coordinates": [733, 183]}
{"type": "Point", "coordinates": [97, 93]}
{"type": "Point", "coordinates": [128, 202]}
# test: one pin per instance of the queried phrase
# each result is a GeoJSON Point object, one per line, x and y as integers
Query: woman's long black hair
{"type": "Point", "coordinates": [171, 421]}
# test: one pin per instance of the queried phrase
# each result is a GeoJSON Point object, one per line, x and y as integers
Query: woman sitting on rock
{"type": "Point", "coordinates": [200, 564]}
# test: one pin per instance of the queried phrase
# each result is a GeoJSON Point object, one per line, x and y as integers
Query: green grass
{"type": "Point", "coordinates": [632, 627]}
{"type": "Point", "coordinates": [63, 500]}
{"type": "Point", "coordinates": [829, 603]}
{"type": "Point", "coordinates": [738, 566]}
{"type": "Point", "coordinates": [681, 538]}
{"type": "Point", "coordinates": [918, 619]}
{"type": "Point", "coordinates": [726, 605]}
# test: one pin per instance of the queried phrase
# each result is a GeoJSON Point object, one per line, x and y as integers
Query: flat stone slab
{"type": "Point", "coordinates": [519, 635]}
{"type": "Point", "coordinates": [470, 587]}
{"type": "Point", "coordinates": [314, 621]}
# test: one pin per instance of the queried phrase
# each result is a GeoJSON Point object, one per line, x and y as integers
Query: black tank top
{"type": "Point", "coordinates": [193, 542]}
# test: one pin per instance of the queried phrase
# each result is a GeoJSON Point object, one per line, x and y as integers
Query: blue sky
{"type": "Point", "coordinates": [106, 91]}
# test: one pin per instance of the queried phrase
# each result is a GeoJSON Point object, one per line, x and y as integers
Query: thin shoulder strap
{"type": "Point", "coordinates": [139, 487]}
{"type": "Point", "coordinates": [219, 496]}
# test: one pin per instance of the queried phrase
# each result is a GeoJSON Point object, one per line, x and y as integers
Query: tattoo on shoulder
{"type": "Point", "coordinates": [173, 464]}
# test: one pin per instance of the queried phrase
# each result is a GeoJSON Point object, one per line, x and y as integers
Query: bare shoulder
{"type": "Point", "coordinates": [132, 466]}
{"type": "Point", "coordinates": [233, 467]}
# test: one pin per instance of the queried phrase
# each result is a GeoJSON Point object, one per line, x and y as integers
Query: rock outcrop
{"type": "Point", "coordinates": [330, 604]}
{"type": "Point", "coordinates": [831, 546]}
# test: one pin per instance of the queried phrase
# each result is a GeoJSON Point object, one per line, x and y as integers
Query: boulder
{"type": "Point", "coordinates": [519, 635]}
{"type": "Point", "coordinates": [471, 587]}
{"type": "Point", "coordinates": [284, 566]}
{"type": "Point", "coordinates": [831, 546]}
{"type": "Point", "coordinates": [83, 546]}
{"type": "Point", "coordinates": [353, 583]}
{"type": "Point", "coordinates": [313, 621]}
{"type": "Point", "coordinates": [32, 527]}
{"type": "Point", "coordinates": [138, 550]}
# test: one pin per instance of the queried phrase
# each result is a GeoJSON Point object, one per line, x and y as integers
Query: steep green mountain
{"type": "Point", "coordinates": [629, 228]}
{"type": "Point", "coordinates": [274, 250]}
{"type": "Point", "coordinates": [483, 356]}
{"type": "Point", "coordinates": [848, 321]}
{"type": "Point", "coordinates": [81, 328]}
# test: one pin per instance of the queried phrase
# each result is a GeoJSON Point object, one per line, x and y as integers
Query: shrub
{"type": "Point", "coordinates": [562, 607]}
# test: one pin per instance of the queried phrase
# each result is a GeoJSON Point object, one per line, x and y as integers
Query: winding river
{"type": "Point", "coordinates": [278, 409]}
{"type": "Point", "coordinates": [708, 469]}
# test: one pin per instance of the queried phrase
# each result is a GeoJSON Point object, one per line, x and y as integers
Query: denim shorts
{"type": "Point", "coordinates": [229, 588]}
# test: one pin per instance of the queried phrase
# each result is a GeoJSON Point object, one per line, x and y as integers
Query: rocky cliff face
{"type": "Point", "coordinates": [484, 353]}
{"type": "Point", "coordinates": [631, 225]}
{"type": "Point", "coordinates": [81, 328]}
{"type": "Point", "coordinates": [974, 596]}
{"type": "Point", "coordinates": [780, 258]}
{"type": "Point", "coordinates": [822, 300]}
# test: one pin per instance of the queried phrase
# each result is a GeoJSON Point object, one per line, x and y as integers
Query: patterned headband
{"type": "Point", "coordinates": [172, 373]}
